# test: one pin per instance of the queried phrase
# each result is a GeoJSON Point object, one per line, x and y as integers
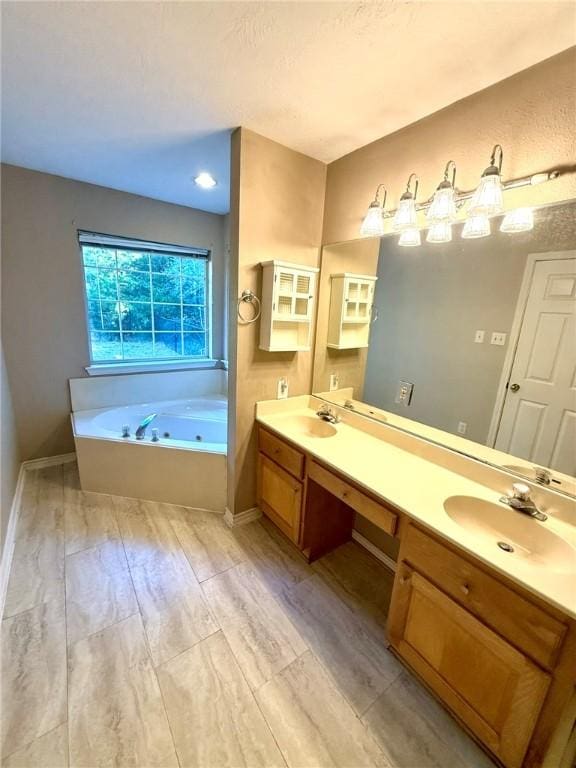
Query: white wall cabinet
{"type": "Point", "coordinates": [351, 300]}
{"type": "Point", "coordinates": [288, 297]}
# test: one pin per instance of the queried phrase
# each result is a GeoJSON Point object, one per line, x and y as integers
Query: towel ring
{"type": "Point", "coordinates": [248, 297]}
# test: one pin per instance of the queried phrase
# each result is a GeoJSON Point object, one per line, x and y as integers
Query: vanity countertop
{"type": "Point", "coordinates": [419, 488]}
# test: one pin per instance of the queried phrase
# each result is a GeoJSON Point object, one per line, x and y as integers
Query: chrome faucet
{"type": "Point", "coordinates": [327, 414]}
{"type": "Point", "coordinates": [520, 501]}
{"type": "Point", "coordinates": [141, 430]}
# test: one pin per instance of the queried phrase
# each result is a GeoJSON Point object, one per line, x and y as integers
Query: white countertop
{"type": "Point", "coordinates": [419, 488]}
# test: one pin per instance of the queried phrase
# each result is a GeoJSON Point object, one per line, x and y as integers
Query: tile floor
{"type": "Point", "coordinates": [143, 634]}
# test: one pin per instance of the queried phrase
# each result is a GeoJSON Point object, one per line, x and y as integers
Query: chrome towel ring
{"type": "Point", "coordinates": [249, 297]}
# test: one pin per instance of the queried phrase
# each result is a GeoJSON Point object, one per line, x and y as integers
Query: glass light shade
{"type": "Point", "coordinates": [440, 232]}
{"type": "Point", "coordinates": [487, 199]}
{"type": "Point", "coordinates": [476, 226]}
{"type": "Point", "coordinates": [373, 223]}
{"type": "Point", "coordinates": [520, 220]}
{"type": "Point", "coordinates": [405, 217]}
{"type": "Point", "coordinates": [443, 207]}
{"type": "Point", "coordinates": [410, 238]}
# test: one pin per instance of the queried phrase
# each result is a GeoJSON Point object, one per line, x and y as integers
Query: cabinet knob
{"type": "Point", "coordinates": [465, 589]}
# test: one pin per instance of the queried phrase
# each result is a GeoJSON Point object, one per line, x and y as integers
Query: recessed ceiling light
{"type": "Point", "coordinates": [205, 180]}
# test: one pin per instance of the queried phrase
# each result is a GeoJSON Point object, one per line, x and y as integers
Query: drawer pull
{"type": "Point", "coordinates": [405, 579]}
{"type": "Point", "coordinates": [344, 494]}
{"type": "Point", "coordinates": [465, 589]}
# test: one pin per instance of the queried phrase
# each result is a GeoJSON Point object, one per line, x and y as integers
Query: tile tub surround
{"type": "Point", "coordinates": [416, 477]}
{"type": "Point", "coordinates": [87, 394]}
{"type": "Point", "coordinates": [162, 680]}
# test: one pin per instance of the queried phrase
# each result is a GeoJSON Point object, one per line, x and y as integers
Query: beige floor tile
{"type": "Point", "coordinates": [413, 730]}
{"type": "Point", "coordinates": [33, 674]}
{"type": "Point", "coordinates": [89, 518]}
{"type": "Point", "coordinates": [116, 715]}
{"type": "Point", "coordinates": [349, 644]}
{"type": "Point", "coordinates": [206, 694]}
{"type": "Point", "coordinates": [365, 583]}
{"type": "Point", "coordinates": [209, 544]}
{"type": "Point", "coordinates": [99, 589]}
{"type": "Point", "coordinates": [260, 635]}
{"type": "Point", "coordinates": [48, 751]}
{"type": "Point", "coordinates": [175, 613]}
{"type": "Point", "coordinates": [276, 559]}
{"type": "Point", "coordinates": [312, 723]}
{"type": "Point", "coordinates": [148, 537]}
{"type": "Point", "coordinates": [37, 573]}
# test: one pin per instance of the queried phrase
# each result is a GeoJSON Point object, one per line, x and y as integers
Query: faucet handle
{"type": "Point", "coordinates": [521, 491]}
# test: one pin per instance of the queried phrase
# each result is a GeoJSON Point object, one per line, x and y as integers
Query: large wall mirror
{"type": "Point", "coordinates": [470, 343]}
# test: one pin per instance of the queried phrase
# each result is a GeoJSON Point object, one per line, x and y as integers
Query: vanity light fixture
{"type": "Point", "coordinates": [443, 206]}
{"type": "Point", "coordinates": [476, 226]}
{"type": "Point", "coordinates": [487, 199]}
{"type": "Point", "coordinates": [519, 220]}
{"type": "Point", "coordinates": [373, 224]}
{"type": "Point", "coordinates": [410, 238]}
{"type": "Point", "coordinates": [205, 180]}
{"type": "Point", "coordinates": [405, 217]}
{"type": "Point", "coordinates": [439, 232]}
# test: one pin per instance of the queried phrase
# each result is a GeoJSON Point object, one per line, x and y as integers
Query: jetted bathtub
{"type": "Point", "coordinates": [187, 465]}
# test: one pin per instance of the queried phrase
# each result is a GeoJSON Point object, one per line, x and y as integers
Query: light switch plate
{"type": "Point", "coordinates": [282, 388]}
{"type": "Point", "coordinates": [334, 382]}
{"type": "Point", "coordinates": [479, 337]}
{"type": "Point", "coordinates": [462, 427]}
{"type": "Point", "coordinates": [498, 338]}
{"type": "Point", "coordinates": [404, 393]}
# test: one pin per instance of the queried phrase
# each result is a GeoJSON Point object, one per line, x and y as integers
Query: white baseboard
{"type": "Point", "coordinates": [10, 540]}
{"type": "Point", "coordinates": [49, 461]}
{"type": "Point", "coordinates": [373, 549]}
{"type": "Point", "coordinates": [233, 521]}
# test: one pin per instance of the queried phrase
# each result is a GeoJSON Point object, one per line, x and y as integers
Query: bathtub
{"type": "Point", "coordinates": [187, 465]}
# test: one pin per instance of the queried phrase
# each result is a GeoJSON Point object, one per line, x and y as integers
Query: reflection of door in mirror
{"type": "Point", "coordinates": [538, 417]}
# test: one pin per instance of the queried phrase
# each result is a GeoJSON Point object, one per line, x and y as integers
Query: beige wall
{"type": "Point", "coordinates": [359, 257]}
{"type": "Point", "coordinates": [44, 326]}
{"type": "Point", "coordinates": [9, 452]}
{"type": "Point", "coordinates": [532, 115]}
{"type": "Point", "coordinates": [276, 213]}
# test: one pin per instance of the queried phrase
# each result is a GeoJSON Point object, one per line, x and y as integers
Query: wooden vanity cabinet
{"type": "Point", "coordinates": [280, 486]}
{"type": "Point", "coordinates": [488, 652]}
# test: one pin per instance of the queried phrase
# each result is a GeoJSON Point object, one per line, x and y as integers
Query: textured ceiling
{"type": "Point", "coordinates": [140, 96]}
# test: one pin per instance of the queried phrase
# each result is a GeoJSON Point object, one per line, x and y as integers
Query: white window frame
{"type": "Point", "coordinates": [107, 367]}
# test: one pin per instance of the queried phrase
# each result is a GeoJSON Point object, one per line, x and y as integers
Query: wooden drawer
{"type": "Point", "coordinates": [492, 687]}
{"type": "Point", "coordinates": [282, 453]}
{"type": "Point", "coordinates": [522, 622]}
{"type": "Point", "coordinates": [378, 514]}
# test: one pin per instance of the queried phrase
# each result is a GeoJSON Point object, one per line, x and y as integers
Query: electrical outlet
{"type": "Point", "coordinates": [498, 338]}
{"type": "Point", "coordinates": [462, 427]}
{"type": "Point", "coordinates": [479, 337]}
{"type": "Point", "coordinates": [334, 382]}
{"type": "Point", "coordinates": [404, 393]}
{"type": "Point", "coordinates": [282, 393]}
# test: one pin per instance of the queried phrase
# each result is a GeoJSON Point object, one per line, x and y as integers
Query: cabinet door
{"type": "Point", "coordinates": [493, 688]}
{"type": "Point", "coordinates": [279, 497]}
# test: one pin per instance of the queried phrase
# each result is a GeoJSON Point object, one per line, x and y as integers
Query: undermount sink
{"type": "Point", "coordinates": [310, 426]}
{"type": "Point", "coordinates": [530, 540]}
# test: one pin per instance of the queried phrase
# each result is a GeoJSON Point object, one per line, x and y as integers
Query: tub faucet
{"type": "Point", "coordinates": [520, 500]}
{"type": "Point", "coordinates": [141, 430]}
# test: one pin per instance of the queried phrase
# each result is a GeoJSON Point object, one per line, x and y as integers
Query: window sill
{"type": "Point", "coordinates": [111, 369]}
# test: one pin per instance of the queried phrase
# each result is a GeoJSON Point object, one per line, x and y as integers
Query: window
{"type": "Point", "coordinates": [145, 301]}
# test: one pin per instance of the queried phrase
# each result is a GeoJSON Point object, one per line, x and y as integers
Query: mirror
{"type": "Point", "coordinates": [470, 343]}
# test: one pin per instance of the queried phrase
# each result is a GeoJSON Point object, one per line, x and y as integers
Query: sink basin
{"type": "Point", "coordinates": [310, 426]}
{"type": "Point", "coordinates": [531, 540]}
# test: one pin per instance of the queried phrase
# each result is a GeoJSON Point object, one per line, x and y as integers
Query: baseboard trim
{"type": "Point", "coordinates": [49, 461]}
{"type": "Point", "coordinates": [373, 549]}
{"type": "Point", "coordinates": [242, 518]}
{"type": "Point", "coordinates": [10, 540]}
